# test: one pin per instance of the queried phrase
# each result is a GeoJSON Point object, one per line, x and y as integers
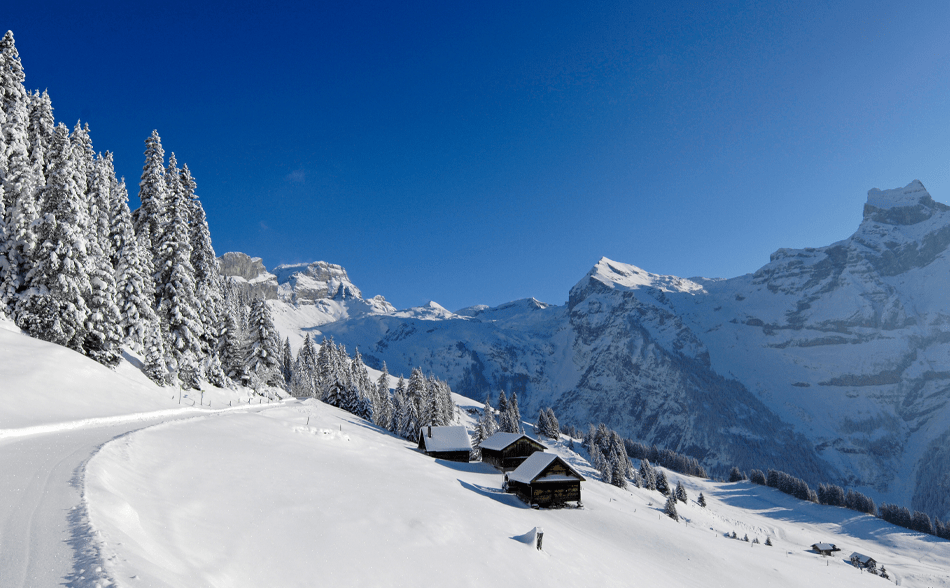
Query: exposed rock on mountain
{"type": "Point", "coordinates": [831, 363]}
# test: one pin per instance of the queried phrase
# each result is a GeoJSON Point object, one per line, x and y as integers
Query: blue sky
{"type": "Point", "coordinates": [476, 153]}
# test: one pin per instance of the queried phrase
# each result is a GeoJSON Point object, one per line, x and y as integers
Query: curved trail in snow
{"type": "Point", "coordinates": [41, 531]}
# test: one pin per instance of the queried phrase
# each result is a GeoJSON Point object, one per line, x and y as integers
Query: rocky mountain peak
{"type": "Point", "coordinates": [909, 205]}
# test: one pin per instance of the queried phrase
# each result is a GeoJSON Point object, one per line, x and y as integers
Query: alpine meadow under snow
{"type": "Point", "coordinates": [171, 418]}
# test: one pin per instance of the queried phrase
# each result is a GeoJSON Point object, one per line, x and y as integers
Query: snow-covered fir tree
{"type": "Point", "coordinates": [647, 474]}
{"type": "Point", "coordinates": [670, 508]}
{"type": "Point", "coordinates": [618, 469]}
{"type": "Point", "coordinates": [662, 485]}
{"type": "Point", "coordinates": [383, 407]}
{"type": "Point", "coordinates": [153, 193]}
{"type": "Point", "coordinates": [103, 340]}
{"type": "Point", "coordinates": [260, 361]}
{"type": "Point", "coordinates": [701, 501]}
{"type": "Point", "coordinates": [680, 492]}
{"type": "Point", "coordinates": [53, 305]}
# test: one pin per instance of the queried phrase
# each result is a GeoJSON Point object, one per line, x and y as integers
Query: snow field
{"type": "Point", "coordinates": [46, 388]}
{"type": "Point", "coordinates": [268, 499]}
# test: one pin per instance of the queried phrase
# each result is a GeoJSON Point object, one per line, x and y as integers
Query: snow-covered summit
{"type": "Point", "coordinates": [306, 282]}
{"type": "Point", "coordinates": [909, 195]}
{"type": "Point", "coordinates": [615, 274]}
{"type": "Point", "coordinates": [909, 205]}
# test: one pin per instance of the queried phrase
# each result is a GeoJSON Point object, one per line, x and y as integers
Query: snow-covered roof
{"type": "Point", "coordinates": [446, 439]}
{"type": "Point", "coordinates": [864, 559]}
{"type": "Point", "coordinates": [536, 463]}
{"type": "Point", "coordinates": [824, 546]}
{"type": "Point", "coordinates": [499, 441]}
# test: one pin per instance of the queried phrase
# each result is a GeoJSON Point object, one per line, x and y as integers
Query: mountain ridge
{"type": "Point", "coordinates": [827, 362]}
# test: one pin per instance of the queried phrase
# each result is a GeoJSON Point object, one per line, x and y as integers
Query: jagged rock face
{"type": "Point", "coordinates": [830, 363]}
{"type": "Point", "coordinates": [305, 283]}
{"type": "Point", "coordinates": [249, 274]}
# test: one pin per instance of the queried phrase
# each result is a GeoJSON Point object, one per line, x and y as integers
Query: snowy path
{"type": "Point", "coordinates": [40, 514]}
{"type": "Point", "coordinates": [39, 497]}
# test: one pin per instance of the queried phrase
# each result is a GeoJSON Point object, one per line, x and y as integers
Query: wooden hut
{"type": "Point", "coordinates": [824, 548]}
{"type": "Point", "coordinates": [507, 451]}
{"type": "Point", "coordinates": [451, 443]}
{"type": "Point", "coordinates": [859, 560]}
{"type": "Point", "coordinates": [545, 479]}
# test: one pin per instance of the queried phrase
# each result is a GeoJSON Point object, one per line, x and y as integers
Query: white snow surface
{"type": "Point", "coordinates": [909, 195]}
{"type": "Point", "coordinates": [305, 494]}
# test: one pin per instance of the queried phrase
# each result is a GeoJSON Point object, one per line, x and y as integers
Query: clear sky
{"type": "Point", "coordinates": [481, 152]}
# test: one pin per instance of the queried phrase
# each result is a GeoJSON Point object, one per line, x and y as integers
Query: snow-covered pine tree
{"type": "Point", "coordinates": [768, 540]}
{"type": "Point", "coordinates": [502, 407]}
{"type": "Point", "coordinates": [618, 469]}
{"type": "Point", "coordinates": [286, 360]}
{"type": "Point", "coordinates": [662, 486]}
{"type": "Point", "coordinates": [670, 509]}
{"type": "Point", "coordinates": [416, 392]}
{"type": "Point", "coordinates": [232, 340]}
{"type": "Point", "coordinates": [260, 362]}
{"type": "Point", "coordinates": [410, 425]}
{"type": "Point", "coordinates": [364, 389]}
{"type": "Point", "coordinates": [208, 282]}
{"type": "Point", "coordinates": [40, 133]}
{"type": "Point", "coordinates": [680, 492]}
{"type": "Point", "coordinates": [435, 400]}
{"type": "Point", "coordinates": [735, 475]}
{"type": "Point", "coordinates": [647, 474]}
{"type": "Point", "coordinates": [383, 407]}
{"type": "Point", "coordinates": [399, 408]}
{"type": "Point", "coordinates": [175, 286]}
{"type": "Point", "coordinates": [19, 180]}
{"type": "Point", "coordinates": [153, 343]}
{"type": "Point", "coordinates": [701, 501]}
{"type": "Point", "coordinates": [153, 193]}
{"type": "Point", "coordinates": [554, 427]}
{"type": "Point", "coordinates": [600, 464]}
{"type": "Point", "coordinates": [511, 419]}
{"type": "Point", "coordinates": [541, 426]}
{"type": "Point", "coordinates": [53, 305]}
{"type": "Point", "coordinates": [103, 341]}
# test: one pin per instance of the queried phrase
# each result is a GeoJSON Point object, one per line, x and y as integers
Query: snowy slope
{"type": "Point", "coordinates": [305, 494]}
{"type": "Point", "coordinates": [832, 363]}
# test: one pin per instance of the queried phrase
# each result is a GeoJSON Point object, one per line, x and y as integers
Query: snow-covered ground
{"type": "Point", "coordinates": [305, 494]}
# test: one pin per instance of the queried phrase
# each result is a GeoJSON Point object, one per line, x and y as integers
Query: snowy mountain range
{"type": "Point", "coordinates": [831, 363]}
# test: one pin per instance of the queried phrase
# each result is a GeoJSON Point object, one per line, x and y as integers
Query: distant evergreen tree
{"type": "Point", "coordinates": [601, 465]}
{"type": "Point", "coordinates": [768, 541]}
{"type": "Point", "coordinates": [502, 406]}
{"type": "Point", "coordinates": [618, 469]}
{"type": "Point", "coordinates": [416, 392]}
{"type": "Point", "coordinates": [745, 538]}
{"type": "Point", "coordinates": [554, 427]}
{"type": "Point", "coordinates": [701, 501]}
{"type": "Point", "coordinates": [662, 486]}
{"type": "Point", "coordinates": [680, 492]}
{"type": "Point", "coordinates": [670, 509]}
{"type": "Point", "coordinates": [487, 426]}
{"type": "Point", "coordinates": [383, 411]}
{"type": "Point", "coordinates": [757, 477]}
{"type": "Point", "coordinates": [208, 283]}
{"type": "Point", "coordinates": [735, 475]}
{"type": "Point", "coordinates": [647, 474]}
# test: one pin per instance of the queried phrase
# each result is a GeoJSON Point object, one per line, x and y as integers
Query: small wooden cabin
{"type": "Point", "coordinates": [507, 451]}
{"type": "Point", "coordinates": [859, 560]}
{"type": "Point", "coordinates": [545, 479]}
{"type": "Point", "coordinates": [450, 443]}
{"type": "Point", "coordinates": [824, 548]}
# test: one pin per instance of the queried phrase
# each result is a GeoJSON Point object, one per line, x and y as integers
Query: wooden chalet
{"type": "Point", "coordinates": [450, 443]}
{"type": "Point", "coordinates": [859, 560]}
{"type": "Point", "coordinates": [545, 479]}
{"type": "Point", "coordinates": [824, 548]}
{"type": "Point", "coordinates": [507, 451]}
